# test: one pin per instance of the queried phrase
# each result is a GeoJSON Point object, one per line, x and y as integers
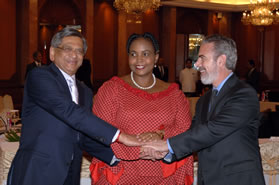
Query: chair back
{"type": "Point", "coordinates": [8, 102]}
{"type": "Point", "coordinates": [1, 104]}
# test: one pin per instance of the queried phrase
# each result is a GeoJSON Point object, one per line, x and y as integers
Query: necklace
{"type": "Point", "coordinates": [144, 88]}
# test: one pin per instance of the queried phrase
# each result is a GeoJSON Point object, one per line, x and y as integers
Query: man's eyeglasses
{"type": "Point", "coordinates": [69, 50]}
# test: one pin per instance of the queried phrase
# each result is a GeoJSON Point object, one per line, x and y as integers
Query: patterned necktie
{"type": "Point", "coordinates": [73, 90]}
{"type": "Point", "coordinates": [212, 98]}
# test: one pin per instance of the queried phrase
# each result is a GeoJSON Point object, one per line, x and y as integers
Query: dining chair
{"type": "Point", "coordinates": [8, 102]}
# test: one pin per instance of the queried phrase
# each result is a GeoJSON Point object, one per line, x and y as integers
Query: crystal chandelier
{"type": "Point", "coordinates": [136, 6]}
{"type": "Point", "coordinates": [262, 13]}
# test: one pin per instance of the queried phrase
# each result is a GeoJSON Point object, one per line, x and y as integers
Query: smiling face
{"type": "Point", "coordinates": [142, 57]}
{"type": "Point", "coordinates": [69, 55]}
{"type": "Point", "coordinates": [207, 64]}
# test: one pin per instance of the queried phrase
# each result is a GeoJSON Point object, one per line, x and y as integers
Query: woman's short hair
{"type": "Point", "coordinates": [147, 36]}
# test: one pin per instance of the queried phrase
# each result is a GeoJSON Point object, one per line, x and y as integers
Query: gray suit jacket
{"type": "Point", "coordinates": [226, 138]}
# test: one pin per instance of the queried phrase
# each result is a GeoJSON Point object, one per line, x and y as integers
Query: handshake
{"type": "Point", "coordinates": [153, 147]}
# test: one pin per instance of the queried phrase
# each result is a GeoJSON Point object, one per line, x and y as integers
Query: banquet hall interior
{"type": "Point", "coordinates": [179, 26]}
{"type": "Point", "coordinates": [28, 25]}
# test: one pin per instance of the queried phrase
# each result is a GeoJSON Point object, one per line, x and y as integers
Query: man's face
{"type": "Point", "coordinates": [69, 55]}
{"type": "Point", "coordinates": [39, 57]}
{"type": "Point", "coordinates": [250, 66]}
{"type": "Point", "coordinates": [207, 64]}
{"type": "Point", "coordinates": [189, 64]}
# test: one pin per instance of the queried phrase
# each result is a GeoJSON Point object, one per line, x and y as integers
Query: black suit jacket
{"type": "Point", "coordinates": [55, 130]}
{"type": "Point", "coordinates": [226, 138]}
{"type": "Point", "coordinates": [29, 67]}
{"type": "Point", "coordinates": [253, 79]}
{"type": "Point", "coordinates": [84, 73]}
{"type": "Point", "coordinates": [159, 75]}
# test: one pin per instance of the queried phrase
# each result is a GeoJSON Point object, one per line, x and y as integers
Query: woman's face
{"type": "Point", "coordinates": [142, 57]}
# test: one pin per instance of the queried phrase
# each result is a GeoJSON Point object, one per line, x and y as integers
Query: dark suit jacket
{"type": "Point", "coordinates": [253, 79]}
{"type": "Point", "coordinates": [84, 73]}
{"type": "Point", "coordinates": [29, 67]}
{"type": "Point", "coordinates": [55, 130]}
{"type": "Point", "coordinates": [226, 138]}
{"type": "Point", "coordinates": [159, 75]}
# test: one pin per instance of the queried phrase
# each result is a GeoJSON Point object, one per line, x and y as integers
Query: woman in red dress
{"type": "Point", "coordinates": [139, 103]}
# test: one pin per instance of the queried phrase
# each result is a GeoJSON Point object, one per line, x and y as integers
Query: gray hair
{"type": "Point", "coordinates": [67, 32]}
{"type": "Point", "coordinates": [223, 46]}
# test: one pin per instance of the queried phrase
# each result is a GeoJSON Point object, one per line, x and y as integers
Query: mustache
{"type": "Point", "coordinates": [198, 68]}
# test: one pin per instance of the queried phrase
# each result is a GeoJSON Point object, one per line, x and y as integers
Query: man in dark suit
{"type": "Point", "coordinates": [84, 73]}
{"type": "Point", "coordinates": [253, 76]}
{"type": "Point", "coordinates": [224, 129]}
{"type": "Point", "coordinates": [57, 121]}
{"type": "Point", "coordinates": [160, 70]}
{"type": "Point", "coordinates": [37, 62]}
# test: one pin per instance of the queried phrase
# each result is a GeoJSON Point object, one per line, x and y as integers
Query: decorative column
{"type": "Point", "coordinates": [28, 13]}
{"type": "Point", "coordinates": [89, 31]}
{"type": "Point", "coordinates": [168, 40]}
{"type": "Point", "coordinates": [122, 61]}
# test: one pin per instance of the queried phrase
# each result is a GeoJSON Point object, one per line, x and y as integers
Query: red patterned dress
{"type": "Point", "coordinates": [135, 111]}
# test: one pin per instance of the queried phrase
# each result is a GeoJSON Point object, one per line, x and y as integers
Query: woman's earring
{"type": "Point", "coordinates": [155, 65]}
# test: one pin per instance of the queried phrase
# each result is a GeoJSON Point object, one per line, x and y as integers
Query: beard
{"type": "Point", "coordinates": [208, 77]}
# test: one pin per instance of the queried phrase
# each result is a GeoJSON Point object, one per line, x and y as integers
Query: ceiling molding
{"type": "Point", "coordinates": [231, 7]}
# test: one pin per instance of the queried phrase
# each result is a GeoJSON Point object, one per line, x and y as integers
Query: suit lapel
{"type": "Point", "coordinates": [225, 91]}
{"type": "Point", "coordinates": [80, 92]}
{"type": "Point", "coordinates": [205, 108]}
{"type": "Point", "coordinates": [63, 82]}
{"type": "Point", "coordinates": [60, 78]}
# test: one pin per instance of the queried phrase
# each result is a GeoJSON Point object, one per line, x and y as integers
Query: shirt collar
{"type": "Point", "coordinates": [66, 76]}
{"type": "Point", "coordinates": [223, 82]}
{"type": "Point", "coordinates": [37, 63]}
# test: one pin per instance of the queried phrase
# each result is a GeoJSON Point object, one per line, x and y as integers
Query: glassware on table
{"type": "Point", "coordinates": [14, 116]}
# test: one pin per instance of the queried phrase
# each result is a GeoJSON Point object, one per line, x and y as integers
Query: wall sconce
{"type": "Point", "coordinates": [219, 16]}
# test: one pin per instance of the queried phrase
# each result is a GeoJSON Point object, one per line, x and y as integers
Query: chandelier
{"type": "Point", "coordinates": [136, 6]}
{"type": "Point", "coordinates": [262, 13]}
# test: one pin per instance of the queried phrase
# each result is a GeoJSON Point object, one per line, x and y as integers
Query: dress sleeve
{"type": "Point", "coordinates": [182, 122]}
{"type": "Point", "coordinates": [183, 117]}
{"type": "Point", "coordinates": [105, 103]}
{"type": "Point", "coordinates": [105, 106]}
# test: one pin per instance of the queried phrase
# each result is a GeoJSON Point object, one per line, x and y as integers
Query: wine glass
{"type": "Point", "coordinates": [14, 116]}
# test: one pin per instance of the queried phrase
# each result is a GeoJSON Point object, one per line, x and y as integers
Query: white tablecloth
{"type": "Point", "coordinates": [270, 160]}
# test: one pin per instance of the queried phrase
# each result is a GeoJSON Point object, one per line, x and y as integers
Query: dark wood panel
{"type": "Point", "coordinates": [7, 39]}
{"type": "Point", "coordinates": [105, 40]}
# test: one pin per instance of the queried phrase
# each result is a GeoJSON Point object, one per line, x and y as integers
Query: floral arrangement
{"type": "Point", "coordinates": [12, 136]}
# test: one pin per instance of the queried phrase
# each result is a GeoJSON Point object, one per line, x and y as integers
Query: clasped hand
{"type": "Point", "coordinates": [148, 151]}
{"type": "Point", "coordinates": [153, 147]}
